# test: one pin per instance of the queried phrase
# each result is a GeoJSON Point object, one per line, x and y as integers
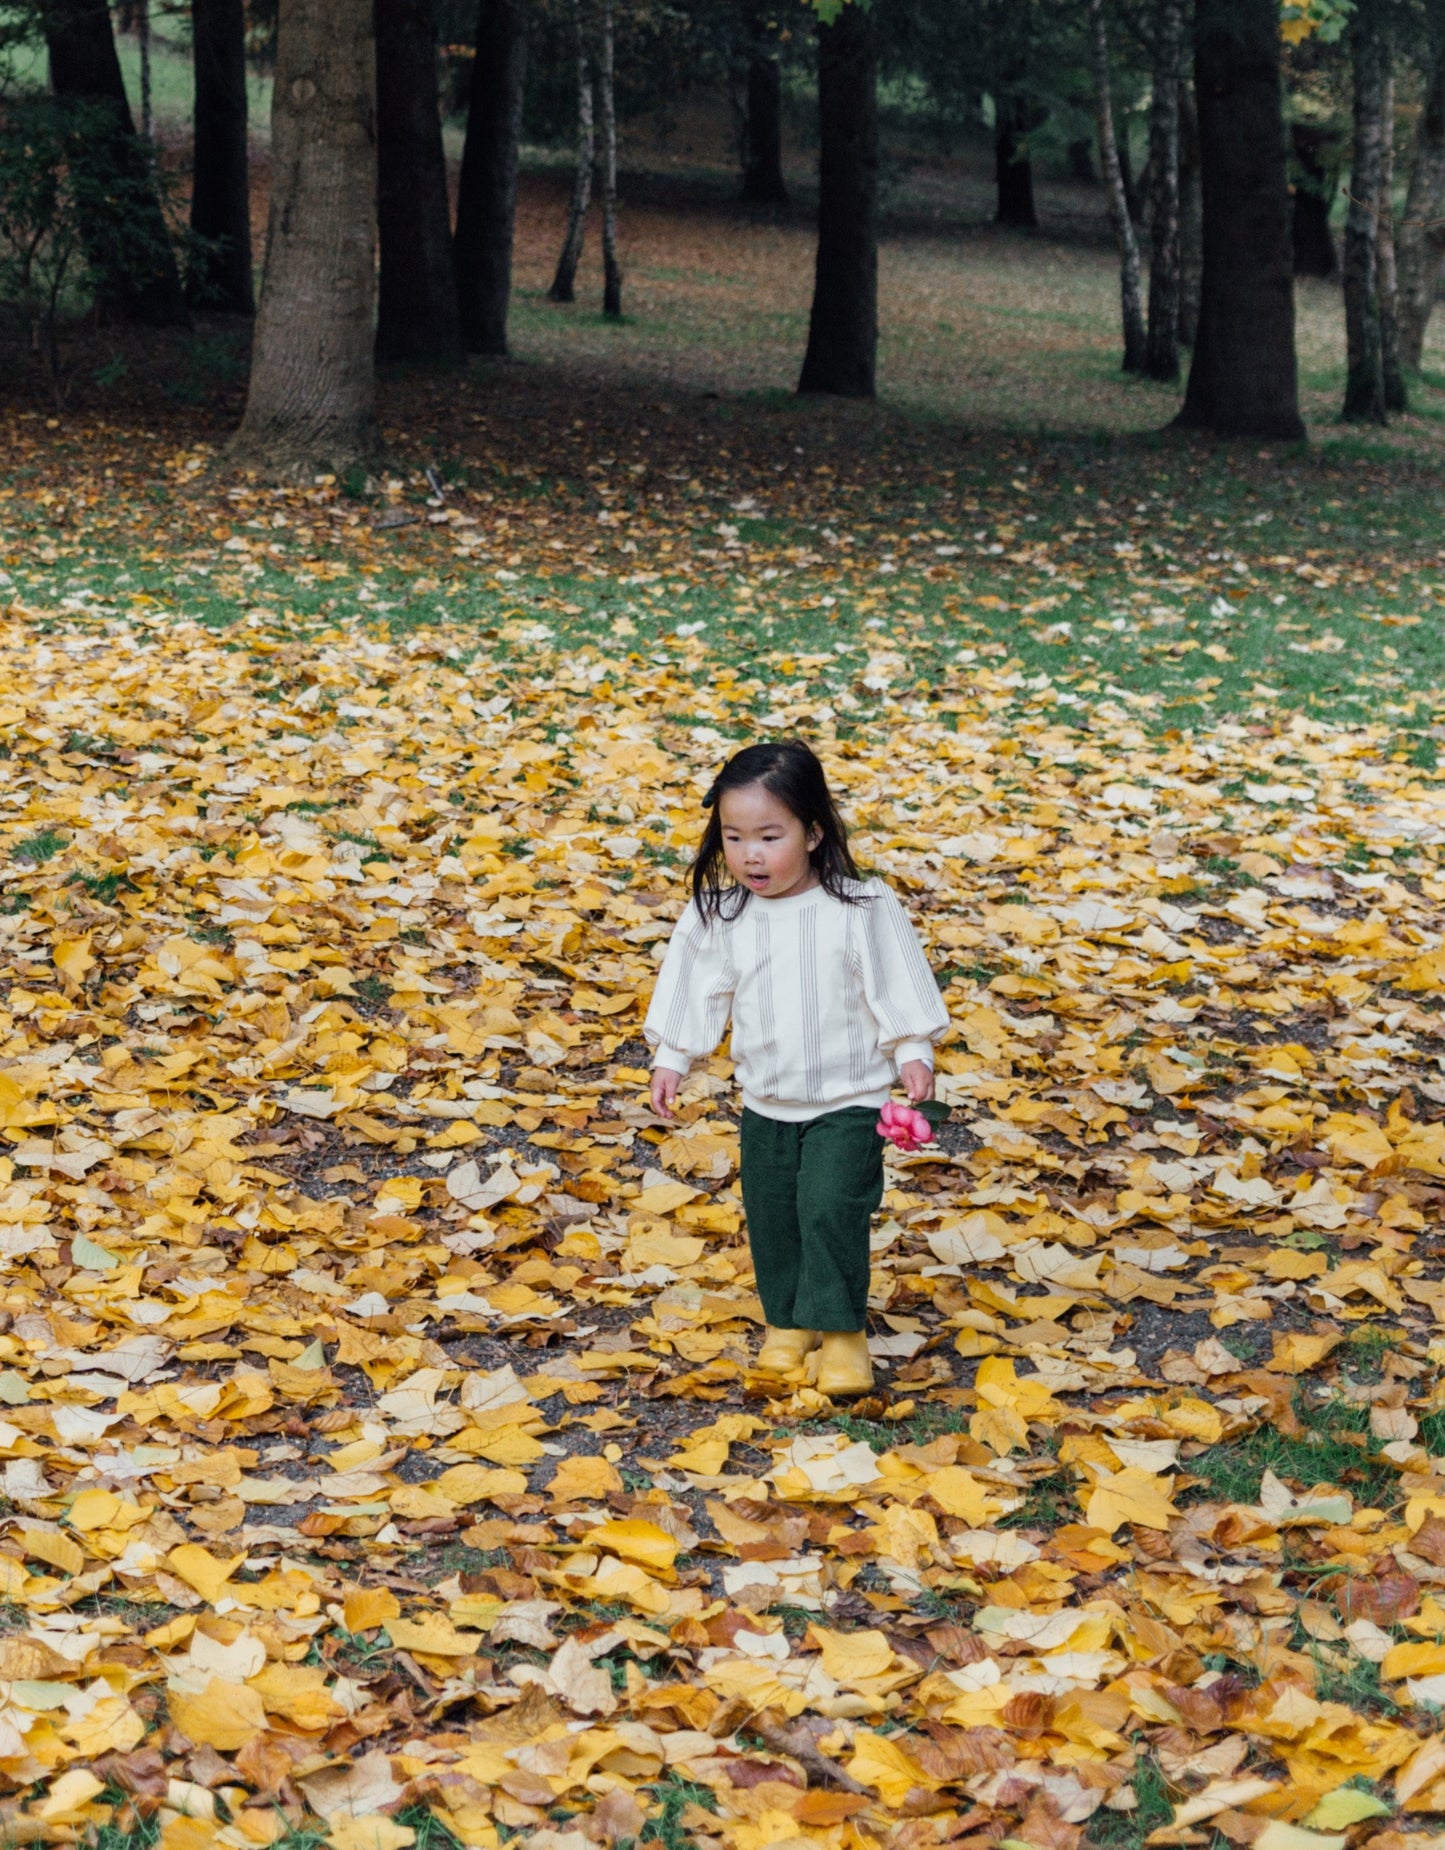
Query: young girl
{"type": "Point", "coordinates": [830, 997]}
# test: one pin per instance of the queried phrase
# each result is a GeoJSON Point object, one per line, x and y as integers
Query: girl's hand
{"type": "Point", "coordinates": [916, 1078]}
{"type": "Point", "coordinates": [664, 1089]}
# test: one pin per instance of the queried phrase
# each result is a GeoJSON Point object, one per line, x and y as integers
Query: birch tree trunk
{"type": "Point", "coordinates": [606, 95]}
{"type": "Point", "coordinates": [1243, 379]}
{"type": "Point", "coordinates": [220, 275]}
{"type": "Point", "coordinates": [1422, 229]}
{"type": "Point", "coordinates": [312, 400]}
{"type": "Point", "coordinates": [1396, 397]}
{"type": "Point", "coordinates": [564, 283]}
{"type": "Point", "coordinates": [1131, 301]}
{"type": "Point", "coordinates": [1161, 358]}
{"type": "Point", "coordinates": [1365, 375]}
{"type": "Point", "coordinates": [416, 304]}
{"type": "Point", "coordinates": [843, 323]}
{"type": "Point", "coordinates": [487, 193]}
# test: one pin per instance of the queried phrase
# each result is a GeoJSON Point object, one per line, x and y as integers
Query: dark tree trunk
{"type": "Point", "coordinates": [1080, 156]}
{"type": "Point", "coordinates": [1242, 377]}
{"type": "Point", "coordinates": [607, 101]}
{"type": "Point", "coordinates": [564, 283]}
{"type": "Point", "coordinates": [487, 195]}
{"type": "Point", "coordinates": [1129, 293]}
{"type": "Point", "coordinates": [1396, 397]}
{"type": "Point", "coordinates": [220, 275]}
{"type": "Point", "coordinates": [312, 399]}
{"type": "Point", "coordinates": [1161, 357]}
{"type": "Point", "coordinates": [416, 301]}
{"type": "Point", "coordinates": [1365, 372]}
{"type": "Point", "coordinates": [136, 262]}
{"type": "Point", "coordinates": [143, 42]}
{"type": "Point", "coordinates": [843, 327]}
{"type": "Point", "coordinates": [1014, 117]}
{"type": "Point", "coordinates": [763, 180]}
{"type": "Point", "coordinates": [1422, 230]}
{"type": "Point", "coordinates": [1310, 235]}
{"type": "Point", "coordinates": [1191, 217]}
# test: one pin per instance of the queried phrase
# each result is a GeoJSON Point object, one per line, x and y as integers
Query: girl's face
{"type": "Point", "coordinates": [765, 845]}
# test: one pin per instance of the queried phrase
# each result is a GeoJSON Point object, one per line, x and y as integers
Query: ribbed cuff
{"type": "Point", "coordinates": [913, 1050]}
{"type": "Point", "coordinates": [670, 1057]}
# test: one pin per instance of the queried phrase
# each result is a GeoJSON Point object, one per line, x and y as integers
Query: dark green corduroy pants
{"type": "Point", "coordinates": [810, 1191]}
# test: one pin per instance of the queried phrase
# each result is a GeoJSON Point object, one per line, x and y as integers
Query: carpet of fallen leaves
{"type": "Point", "coordinates": [380, 1446]}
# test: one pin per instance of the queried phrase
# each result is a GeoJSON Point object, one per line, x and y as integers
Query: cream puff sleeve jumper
{"type": "Point", "coordinates": [827, 999]}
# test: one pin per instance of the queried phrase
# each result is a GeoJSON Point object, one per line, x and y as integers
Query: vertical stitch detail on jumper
{"type": "Point", "coordinates": [769, 1052]}
{"type": "Point", "coordinates": [688, 938]}
{"type": "Point", "coordinates": [889, 1016]}
{"type": "Point", "coordinates": [853, 965]}
{"type": "Point", "coordinates": [812, 1025]}
{"type": "Point", "coordinates": [910, 952]}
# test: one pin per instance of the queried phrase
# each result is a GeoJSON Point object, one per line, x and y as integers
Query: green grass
{"type": "Point", "coordinates": [1049, 1502]}
{"type": "Point", "coordinates": [1332, 1449]}
{"type": "Point", "coordinates": [104, 888]}
{"type": "Point", "coordinates": [1269, 663]}
{"type": "Point", "coordinates": [1353, 1681]}
{"type": "Point", "coordinates": [674, 1795]}
{"type": "Point", "coordinates": [1153, 1808]}
{"type": "Point", "coordinates": [43, 846]}
{"type": "Point", "coordinates": [1432, 1433]}
{"type": "Point", "coordinates": [883, 1435]}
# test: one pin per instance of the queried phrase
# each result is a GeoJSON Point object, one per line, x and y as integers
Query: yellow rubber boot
{"type": "Point", "coordinates": [784, 1350]}
{"type": "Point", "coordinates": [844, 1367]}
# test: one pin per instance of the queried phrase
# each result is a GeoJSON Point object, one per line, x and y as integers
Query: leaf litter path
{"type": "Point", "coordinates": [380, 1449]}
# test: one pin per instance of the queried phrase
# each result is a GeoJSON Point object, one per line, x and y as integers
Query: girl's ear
{"type": "Point", "coordinates": [814, 837]}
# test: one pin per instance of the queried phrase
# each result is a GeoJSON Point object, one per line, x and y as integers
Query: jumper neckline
{"type": "Point", "coordinates": [789, 902]}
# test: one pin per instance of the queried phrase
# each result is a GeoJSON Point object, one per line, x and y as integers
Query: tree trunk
{"type": "Point", "coordinates": [143, 42]}
{"type": "Point", "coordinates": [1126, 171]}
{"type": "Point", "coordinates": [1191, 217]}
{"type": "Point", "coordinates": [312, 399]}
{"type": "Point", "coordinates": [1161, 358]}
{"type": "Point", "coordinates": [611, 268]}
{"type": "Point", "coordinates": [220, 275]}
{"type": "Point", "coordinates": [1396, 397]}
{"type": "Point", "coordinates": [1311, 239]}
{"type": "Point", "coordinates": [1129, 292]}
{"type": "Point", "coordinates": [134, 260]}
{"type": "Point", "coordinates": [843, 326]}
{"type": "Point", "coordinates": [564, 283]}
{"type": "Point", "coordinates": [487, 195]}
{"type": "Point", "coordinates": [416, 304]}
{"type": "Point", "coordinates": [1242, 377]}
{"type": "Point", "coordinates": [763, 181]}
{"type": "Point", "coordinates": [1013, 170]}
{"type": "Point", "coordinates": [1365, 373]}
{"type": "Point", "coordinates": [1080, 155]}
{"type": "Point", "coordinates": [1422, 230]}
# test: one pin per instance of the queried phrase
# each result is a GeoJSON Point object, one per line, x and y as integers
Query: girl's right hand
{"type": "Point", "coordinates": [664, 1089]}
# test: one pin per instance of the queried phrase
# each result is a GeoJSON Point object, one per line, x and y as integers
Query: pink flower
{"type": "Point", "coordinates": [904, 1126]}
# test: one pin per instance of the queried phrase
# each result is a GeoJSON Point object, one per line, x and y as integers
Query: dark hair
{"type": "Point", "coordinates": [790, 771]}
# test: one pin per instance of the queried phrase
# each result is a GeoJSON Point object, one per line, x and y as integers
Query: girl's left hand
{"type": "Point", "coordinates": [916, 1078]}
